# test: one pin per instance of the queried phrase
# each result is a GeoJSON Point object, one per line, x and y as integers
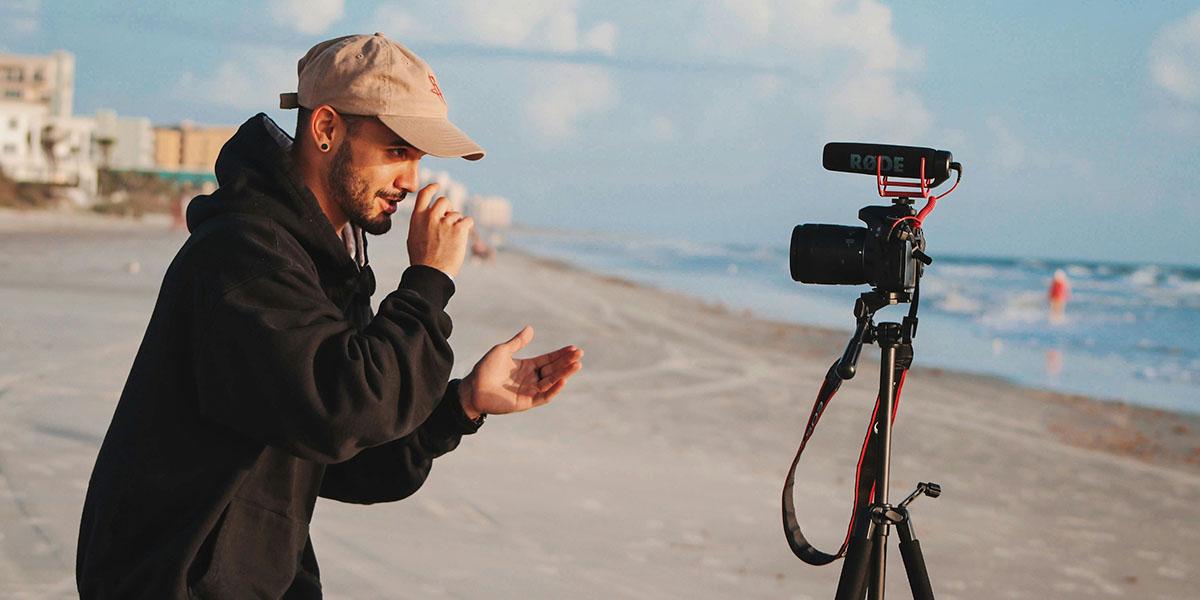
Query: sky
{"type": "Point", "coordinates": [1077, 124]}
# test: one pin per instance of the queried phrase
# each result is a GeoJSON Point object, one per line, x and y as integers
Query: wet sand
{"type": "Point", "coordinates": [655, 475]}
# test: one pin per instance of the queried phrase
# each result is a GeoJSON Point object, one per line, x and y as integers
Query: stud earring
{"type": "Point", "coordinates": [324, 147]}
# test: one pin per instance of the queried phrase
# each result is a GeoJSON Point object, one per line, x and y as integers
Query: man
{"type": "Point", "coordinates": [263, 380]}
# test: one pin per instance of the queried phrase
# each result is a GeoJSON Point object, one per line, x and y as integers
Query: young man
{"type": "Point", "coordinates": [263, 380]}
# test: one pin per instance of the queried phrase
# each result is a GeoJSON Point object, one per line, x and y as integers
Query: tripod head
{"type": "Point", "coordinates": [866, 332]}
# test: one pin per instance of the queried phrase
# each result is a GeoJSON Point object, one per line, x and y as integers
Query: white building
{"type": "Point", "coordinates": [39, 147]}
{"type": "Point", "coordinates": [40, 141]}
{"type": "Point", "coordinates": [20, 138]}
{"type": "Point", "coordinates": [124, 143]}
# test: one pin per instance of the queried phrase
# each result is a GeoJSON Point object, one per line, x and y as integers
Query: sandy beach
{"type": "Point", "coordinates": [655, 475]}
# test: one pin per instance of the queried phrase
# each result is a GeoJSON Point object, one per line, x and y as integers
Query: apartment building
{"type": "Point", "coordinates": [47, 80]}
{"type": "Point", "coordinates": [189, 147]}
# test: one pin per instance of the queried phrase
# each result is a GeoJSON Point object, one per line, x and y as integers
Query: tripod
{"type": "Point", "coordinates": [866, 555]}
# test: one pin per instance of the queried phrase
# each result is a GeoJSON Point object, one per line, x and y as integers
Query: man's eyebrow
{"type": "Point", "coordinates": [399, 141]}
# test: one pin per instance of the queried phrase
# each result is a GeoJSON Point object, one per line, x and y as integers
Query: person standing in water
{"type": "Point", "coordinates": [1060, 291]}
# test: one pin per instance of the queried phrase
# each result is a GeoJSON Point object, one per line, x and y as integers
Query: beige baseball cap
{"type": "Point", "coordinates": [372, 75]}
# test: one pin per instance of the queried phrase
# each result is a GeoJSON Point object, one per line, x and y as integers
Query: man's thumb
{"type": "Point", "coordinates": [520, 340]}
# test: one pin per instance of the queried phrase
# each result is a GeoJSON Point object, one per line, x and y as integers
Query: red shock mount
{"type": "Point", "coordinates": [906, 188]}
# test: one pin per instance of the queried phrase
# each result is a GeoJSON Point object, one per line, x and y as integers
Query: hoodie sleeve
{"type": "Point", "coordinates": [278, 363]}
{"type": "Point", "coordinates": [397, 469]}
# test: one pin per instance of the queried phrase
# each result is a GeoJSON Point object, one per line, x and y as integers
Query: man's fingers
{"type": "Point", "coordinates": [440, 207]}
{"type": "Point", "coordinates": [566, 352]}
{"type": "Point", "coordinates": [557, 369]}
{"type": "Point", "coordinates": [454, 217]}
{"type": "Point", "coordinates": [424, 197]}
{"type": "Point", "coordinates": [560, 362]}
{"type": "Point", "coordinates": [551, 376]}
{"type": "Point", "coordinates": [520, 340]}
{"type": "Point", "coordinates": [549, 394]}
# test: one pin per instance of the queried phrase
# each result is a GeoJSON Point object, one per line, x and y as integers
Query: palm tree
{"type": "Point", "coordinates": [49, 141]}
{"type": "Point", "coordinates": [106, 145]}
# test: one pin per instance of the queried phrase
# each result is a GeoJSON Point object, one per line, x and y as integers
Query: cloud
{"type": "Point", "coordinates": [804, 33]}
{"type": "Point", "coordinates": [846, 51]}
{"type": "Point", "coordinates": [1174, 59]}
{"type": "Point", "coordinates": [662, 129]}
{"type": "Point", "coordinates": [561, 96]}
{"type": "Point", "coordinates": [252, 81]}
{"type": "Point", "coordinates": [841, 57]}
{"type": "Point", "coordinates": [601, 38]}
{"type": "Point", "coordinates": [307, 16]}
{"type": "Point", "coordinates": [551, 25]}
{"type": "Point", "coordinates": [1013, 153]}
{"type": "Point", "coordinates": [394, 20]}
{"type": "Point", "coordinates": [874, 107]}
{"type": "Point", "coordinates": [19, 19]}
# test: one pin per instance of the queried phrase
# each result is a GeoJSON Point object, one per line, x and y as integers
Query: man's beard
{"type": "Point", "coordinates": [353, 195]}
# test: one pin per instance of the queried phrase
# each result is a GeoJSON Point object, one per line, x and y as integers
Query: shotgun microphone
{"type": "Point", "coordinates": [893, 161]}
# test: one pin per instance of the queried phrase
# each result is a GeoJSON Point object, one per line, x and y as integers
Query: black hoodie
{"type": "Point", "coordinates": [262, 382]}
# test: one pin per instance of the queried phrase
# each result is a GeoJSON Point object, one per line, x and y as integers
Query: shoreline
{"type": "Point", "coordinates": [1124, 339]}
{"type": "Point", "coordinates": [1153, 435]}
{"type": "Point", "coordinates": [1131, 429]}
{"type": "Point", "coordinates": [539, 230]}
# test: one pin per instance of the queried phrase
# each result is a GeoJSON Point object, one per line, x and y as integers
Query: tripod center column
{"type": "Point", "coordinates": [888, 336]}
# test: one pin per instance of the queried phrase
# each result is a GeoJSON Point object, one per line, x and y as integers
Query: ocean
{"type": "Point", "coordinates": [1130, 332]}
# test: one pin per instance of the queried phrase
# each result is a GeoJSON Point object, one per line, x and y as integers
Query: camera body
{"type": "Point", "coordinates": [889, 253]}
{"type": "Point", "coordinates": [886, 254]}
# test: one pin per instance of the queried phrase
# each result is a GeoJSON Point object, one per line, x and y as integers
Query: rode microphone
{"type": "Point", "coordinates": [887, 160]}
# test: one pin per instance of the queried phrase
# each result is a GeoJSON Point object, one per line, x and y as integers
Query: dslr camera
{"type": "Point", "coordinates": [889, 253]}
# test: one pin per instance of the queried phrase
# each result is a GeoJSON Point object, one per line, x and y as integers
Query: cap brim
{"type": "Point", "coordinates": [433, 135]}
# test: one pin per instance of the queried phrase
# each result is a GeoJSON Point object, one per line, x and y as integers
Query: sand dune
{"type": "Point", "coordinates": [655, 475]}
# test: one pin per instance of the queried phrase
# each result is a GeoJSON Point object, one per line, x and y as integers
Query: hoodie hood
{"type": "Point", "coordinates": [257, 177]}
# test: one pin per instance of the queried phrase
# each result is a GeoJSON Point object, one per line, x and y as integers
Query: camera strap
{"type": "Point", "coordinates": [865, 472]}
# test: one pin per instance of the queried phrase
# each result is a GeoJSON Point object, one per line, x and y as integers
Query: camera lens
{"type": "Point", "coordinates": [830, 254]}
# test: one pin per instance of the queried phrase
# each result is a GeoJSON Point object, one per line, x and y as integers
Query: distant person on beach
{"type": "Point", "coordinates": [1060, 292]}
{"type": "Point", "coordinates": [264, 380]}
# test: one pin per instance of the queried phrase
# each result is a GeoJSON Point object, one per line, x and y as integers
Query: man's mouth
{"type": "Point", "coordinates": [392, 202]}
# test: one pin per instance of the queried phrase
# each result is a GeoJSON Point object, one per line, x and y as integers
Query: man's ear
{"type": "Point", "coordinates": [324, 127]}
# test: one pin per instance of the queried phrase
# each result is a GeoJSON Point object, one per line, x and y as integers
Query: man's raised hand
{"type": "Point", "coordinates": [501, 384]}
{"type": "Point", "coordinates": [437, 235]}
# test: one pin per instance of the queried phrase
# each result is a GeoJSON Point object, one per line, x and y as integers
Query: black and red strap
{"type": "Point", "coordinates": [864, 476]}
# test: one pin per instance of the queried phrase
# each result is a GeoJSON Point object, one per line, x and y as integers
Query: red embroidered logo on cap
{"type": "Point", "coordinates": [435, 89]}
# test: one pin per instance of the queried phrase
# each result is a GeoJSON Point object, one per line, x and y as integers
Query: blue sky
{"type": "Point", "coordinates": [1078, 124]}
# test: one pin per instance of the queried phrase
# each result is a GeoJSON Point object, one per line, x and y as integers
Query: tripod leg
{"type": "Point", "coordinates": [878, 563]}
{"type": "Point", "coordinates": [852, 584]}
{"type": "Point", "coordinates": [914, 561]}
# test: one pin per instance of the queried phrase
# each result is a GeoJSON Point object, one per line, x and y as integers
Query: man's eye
{"type": "Point", "coordinates": [400, 152]}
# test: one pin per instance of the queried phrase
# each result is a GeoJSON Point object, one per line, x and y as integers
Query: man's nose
{"type": "Point", "coordinates": [409, 177]}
